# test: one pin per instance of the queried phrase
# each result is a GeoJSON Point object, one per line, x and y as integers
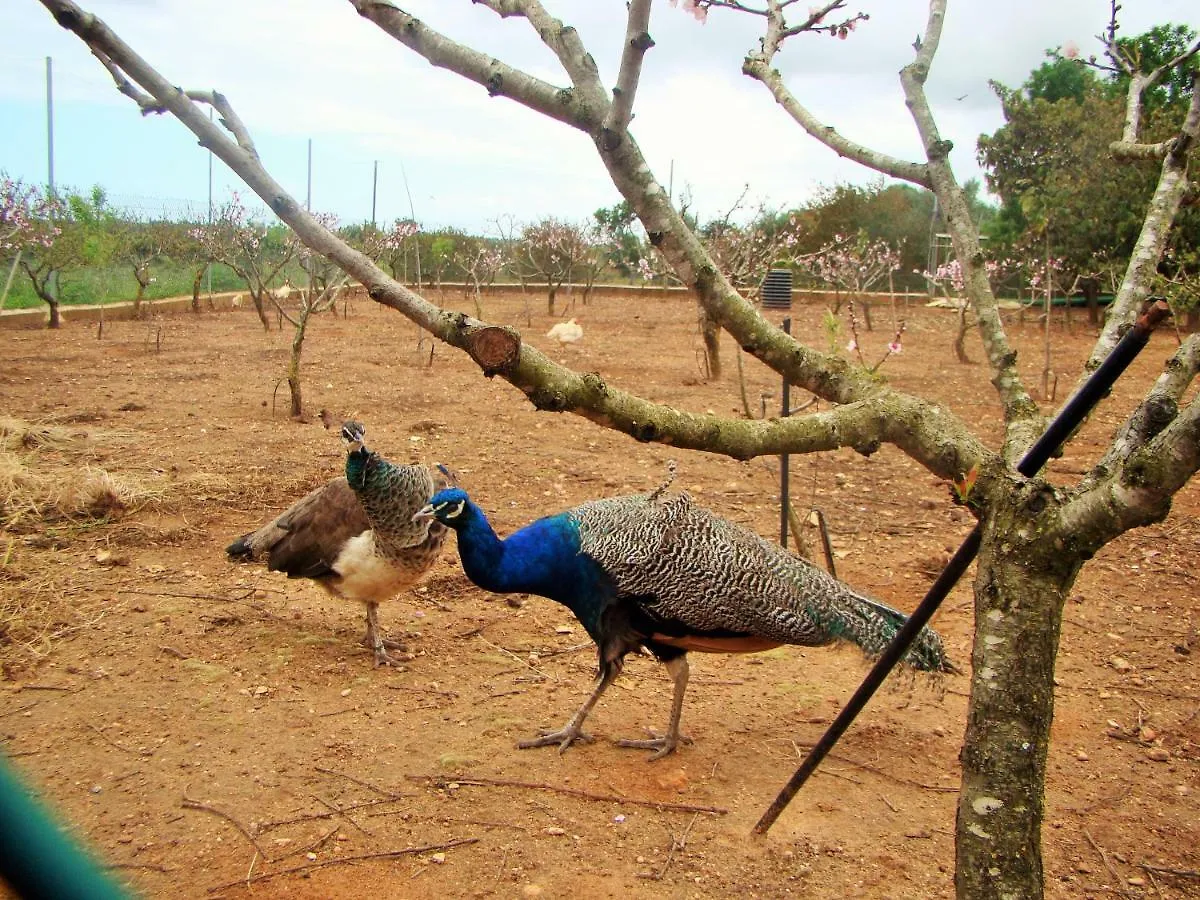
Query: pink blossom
{"type": "Point", "coordinates": [852, 346]}
{"type": "Point", "coordinates": [700, 13]}
{"type": "Point", "coordinates": [894, 347]}
{"type": "Point", "coordinates": [1070, 50]}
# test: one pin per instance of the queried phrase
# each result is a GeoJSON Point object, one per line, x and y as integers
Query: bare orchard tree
{"type": "Point", "coordinates": [325, 285]}
{"type": "Point", "coordinates": [1035, 537]}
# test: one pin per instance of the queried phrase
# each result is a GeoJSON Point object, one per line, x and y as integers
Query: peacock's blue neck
{"type": "Point", "coordinates": [542, 558]}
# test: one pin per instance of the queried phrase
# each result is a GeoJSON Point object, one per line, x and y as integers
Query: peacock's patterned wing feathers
{"type": "Point", "coordinates": [691, 568]}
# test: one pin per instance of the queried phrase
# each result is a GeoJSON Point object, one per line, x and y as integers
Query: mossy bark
{"type": "Point", "coordinates": [1024, 574]}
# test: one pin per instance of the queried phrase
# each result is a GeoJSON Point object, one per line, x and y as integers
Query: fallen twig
{"type": "Point", "coordinates": [113, 743]}
{"type": "Point", "coordinates": [391, 795]}
{"type": "Point", "coordinates": [1163, 870]}
{"type": "Point", "coordinates": [333, 807]}
{"type": "Point", "coordinates": [945, 789]}
{"type": "Point", "coordinates": [419, 690]}
{"type": "Point", "coordinates": [678, 842]}
{"type": "Point", "coordinates": [189, 803]}
{"type": "Point", "coordinates": [69, 689]}
{"type": "Point", "coordinates": [344, 860]}
{"type": "Point", "coordinates": [1113, 873]}
{"type": "Point", "coordinates": [268, 826]}
{"type": "Point", "coordinates": [442, 781]}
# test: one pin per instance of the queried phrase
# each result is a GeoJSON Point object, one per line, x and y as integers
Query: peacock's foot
{"type": "Point", "coordinates": [564, 737]}
{"type": "Point", "coordinates": [663, 744]}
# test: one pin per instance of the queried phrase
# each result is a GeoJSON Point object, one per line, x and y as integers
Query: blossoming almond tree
{"type": "Point", "coordinates": [1035, 537]}
{"type": "Point", "coordinates": [254, 251]}
{"type": "Point", "coordinates": [27, 220]}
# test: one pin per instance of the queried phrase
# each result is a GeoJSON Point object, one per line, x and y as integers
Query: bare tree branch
{"type": "Point", "coordinates": [500, 79]}
{"type": "Point", "coordinates": [1169, 193]}
{"type": "Point", "coordinates": [149, 105]}
{"type": "Point", "coordinates": [1021, 414]}
{"type": "Point", "coordinates": [1139, 490]}
{"type": "Point", "coordinates": [758, 66]}
{"type": "Point", "coordinates": [637, 42]}
{"type": "Point", "coordinates": [1139, 82]}
{"type": "Point", "coordinates": [1154, 413]}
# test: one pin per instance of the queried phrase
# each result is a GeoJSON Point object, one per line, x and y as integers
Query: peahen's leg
{"type": "Point", "coordinates": [572, 731]}
{"type": "Point", "coordinates": [666, 744]}
{"type": "Point", "coordinates": [380, 645]}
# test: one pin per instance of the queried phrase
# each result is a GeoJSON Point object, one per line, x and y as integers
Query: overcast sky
{"type": "Point", "coordinates": [313, 69]}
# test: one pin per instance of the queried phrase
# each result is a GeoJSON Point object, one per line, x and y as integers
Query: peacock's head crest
{"type": "Point", "coordinates": [449, 506]}
{"type": "Point", "coordinates": [357, 455]}
{"type": "Point", "coordinates": [352, 435]}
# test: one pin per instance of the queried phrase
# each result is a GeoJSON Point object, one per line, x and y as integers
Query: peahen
{"type": "Point", "coordinates": [660, 572]}
{"type": "Point", "coordinates": [356, 536]}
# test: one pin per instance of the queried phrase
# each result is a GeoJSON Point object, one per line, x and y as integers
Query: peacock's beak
{"type": "Point", "coordinates": [425, 512]}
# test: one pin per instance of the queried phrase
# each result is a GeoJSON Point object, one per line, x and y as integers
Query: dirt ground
{"type": "Point", "coordinates": [213, 730]}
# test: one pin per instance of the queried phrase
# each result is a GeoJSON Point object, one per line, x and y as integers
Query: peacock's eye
{"type": "Point", "coordinates": [449, 509]}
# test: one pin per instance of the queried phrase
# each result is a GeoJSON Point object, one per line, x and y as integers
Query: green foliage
{"type": "Point", "coordinates": [1051, 165]}
{"type": "Point", "coordinates": [622, 246]}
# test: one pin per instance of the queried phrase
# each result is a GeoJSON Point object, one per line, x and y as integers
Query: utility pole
{"type": "Point", "coordinates": [50, 123]}
{"type": "Point", "coordinates": [208, 268]}
{"type": "Point", "coordinates": [308, 195]}
{"type": "Point", "coordinates": [53, 285]}
{"type": "Point", "coordinates": [374, 191]}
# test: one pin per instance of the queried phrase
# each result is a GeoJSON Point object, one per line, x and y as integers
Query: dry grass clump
{"type": "Point", "coordinates": [17, 434]}
{"type": "Point", "coordinates": [47, 475]}
{"type": "Point", "coordinates": [36, 610]}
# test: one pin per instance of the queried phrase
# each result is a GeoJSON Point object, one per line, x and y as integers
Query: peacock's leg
{"type": "Point", "coordinates": [666, 744]}
{"type": "Point", "coordinates": [380, 645]}
{"type": "Point", "coordinates": [573, 730]}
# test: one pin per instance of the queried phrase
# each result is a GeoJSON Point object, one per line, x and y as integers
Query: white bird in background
{"type": "Point", "coordinates": [567, 332]}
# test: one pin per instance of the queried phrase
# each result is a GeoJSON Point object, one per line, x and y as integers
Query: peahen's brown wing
{"type": "Point", "coordinates": [305, 540]}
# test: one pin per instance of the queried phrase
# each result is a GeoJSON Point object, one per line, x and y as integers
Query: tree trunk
{"type": "Point", "coordinates": [1192, 321]}
{"type": "Point", "coordinates": [138, 297]}
{"type": "Point", "coordinates": [55, 318]}
{"type": "Point", "coordinates": [293, 373]}
{"type": "Point", "coordinates": [1021, 582]}
{"type": "Point", "coordinates": [551, 291]}
{"type": "Point", "coordinates": [196, 279]}
{"type": "Point", "coordinates": [710, 330]}
{"type": "Point", "coordinates": [257, 297]}
{"type": "Point", "coordinates": [960, 339]}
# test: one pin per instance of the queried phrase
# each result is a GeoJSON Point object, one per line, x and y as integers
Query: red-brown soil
{"type": "Point", "coordinates": [180, 677]}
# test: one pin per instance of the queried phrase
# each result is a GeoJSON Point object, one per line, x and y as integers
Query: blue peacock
{"type": "Point", "coordinates": [658, 571]}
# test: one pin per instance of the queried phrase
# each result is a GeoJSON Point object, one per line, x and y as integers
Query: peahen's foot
{"type": "Point", "coordinates": [564, 737]}
{"type": "Point", "coordinates": [663, 744]}
{"type": "Point", "coordinates": [380, 647]}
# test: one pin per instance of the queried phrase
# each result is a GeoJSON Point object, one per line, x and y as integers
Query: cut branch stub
{"type": "Point", "coordinates": [496, 348]}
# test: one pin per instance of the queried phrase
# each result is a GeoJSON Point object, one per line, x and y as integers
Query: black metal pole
{"type": "Point", "coordinates": [1073, 412]}
{"type": "Point", "coordinates": [784, 459]}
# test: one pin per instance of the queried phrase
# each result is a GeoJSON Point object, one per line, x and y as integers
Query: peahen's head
{"type": "Point", "coordinates": [449, 507]}
{"type": "Point", "coordinates": [357, 455]}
